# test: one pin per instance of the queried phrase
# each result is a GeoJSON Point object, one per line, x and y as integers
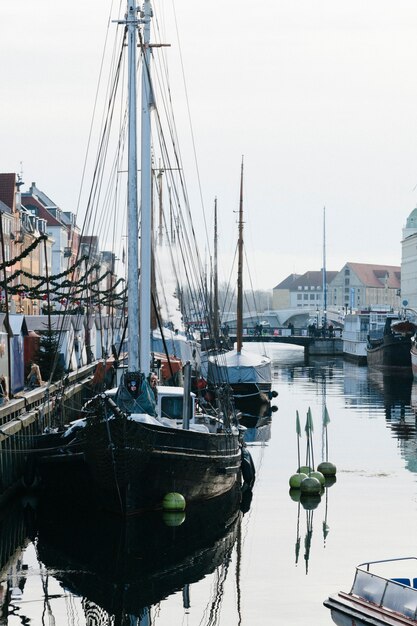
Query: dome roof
{"type": "Point", "coordinates": [412, 219]}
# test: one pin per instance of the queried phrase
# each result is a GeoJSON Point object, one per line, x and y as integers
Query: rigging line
{"type": "Point", "coordinates": [94, 107]}
{"type": "Point", "coordinates": [228, 293]}
{"type": "Point", "coordinates": [254, 301]}
{"type": "Point", "coordinates": [163, 337]}
{"type": "Point", "coordinates": [104, 137]}
{"type": "Point", "coordinates": [185, 195]}
{"type": "Point", "coordinates": [189, 119]}
{"type": "Point", "coordinates": [175, 145]}
{"type": "Point", "coordinates": [179, 214]}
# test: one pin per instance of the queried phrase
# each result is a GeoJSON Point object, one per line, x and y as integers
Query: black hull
{"type": "Point", "coordinates": [134, 465]}
{"type": "Point", "coordinates": [392, 352]}
{"type": "Point", "coordinates": [249, 390]}
{"type": "Point", "coordinates": [126, 566]}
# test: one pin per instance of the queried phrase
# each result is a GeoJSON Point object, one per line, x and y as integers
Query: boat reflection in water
{"type": "Point", "coordinates": [122, 568]}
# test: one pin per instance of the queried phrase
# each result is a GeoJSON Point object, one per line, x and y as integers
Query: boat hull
{"type": "Point", "coordinates": [392, 352]}
{"type": "Point", "coordinates": [347, 610]}
{"type": "Point", "coordinates": [134, 465]}
{"type": "Point", "coordinates": [355, 352]}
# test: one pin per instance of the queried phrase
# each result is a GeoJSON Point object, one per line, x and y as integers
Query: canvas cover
{"type": "Point", "coordinates": [239, 367]}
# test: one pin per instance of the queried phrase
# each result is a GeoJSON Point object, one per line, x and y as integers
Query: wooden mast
{"type": "Point", "coordinates": [239, 319]}
{"type": "Point", "coordinates": [131, 23]}
{"type": "Point", "coordinates": [216, 330]}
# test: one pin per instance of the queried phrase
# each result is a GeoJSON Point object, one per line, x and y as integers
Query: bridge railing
{"type": "Point", "coordinates": [284, 331]}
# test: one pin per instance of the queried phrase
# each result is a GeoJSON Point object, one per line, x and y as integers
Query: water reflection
{"type": "Point", "coordinates": [118, 569]}
{"type": "Point", "coordinates": [60, 567]}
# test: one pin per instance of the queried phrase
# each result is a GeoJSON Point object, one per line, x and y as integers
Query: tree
{"type": "Point", "coordinates": [50, 361]}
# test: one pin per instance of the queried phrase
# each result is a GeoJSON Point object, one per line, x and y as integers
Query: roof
{"type": "Point", "coordinates": [32, 204]}
{"type": "Point", "coordinates": [18, 324]}
{"type": "Point", "coordinates": [412, 219]}
{"type": "Point", "coordinates": [40, 322]}
{"type": "Point", "coordinates": [313, 279]}
{"type": "Point", "coordinates": [287, 282]}
{"type": "Point", "coordinates": [43, 198]}
{"type": "Point", "coordinates": [4, 208]}
{"type": "Point", "coordinates": [377, 275]}
{"type": "Point", "coordinates": [8, 189]}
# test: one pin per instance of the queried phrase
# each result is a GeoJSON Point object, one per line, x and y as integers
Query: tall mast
{"type": "Point", "coordinates": [132, 194]}
{"type": "Point", "coordinates": [146, 197]}
{"type": "Point", "coordinates": [215, 282]}
{"type": "Point", "coordinates": [239, 320]}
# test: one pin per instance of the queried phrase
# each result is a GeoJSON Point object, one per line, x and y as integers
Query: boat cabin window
{"type": "Point", "coordinates": [172, 407]}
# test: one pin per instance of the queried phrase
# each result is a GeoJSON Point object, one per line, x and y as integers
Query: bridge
{"type": "Point", "coordinates": [313, 345]}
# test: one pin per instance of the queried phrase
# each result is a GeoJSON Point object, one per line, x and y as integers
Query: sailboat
{"type": "Point", "coordinates": [134, 454]}
{"type": "Point", "coordinates": [247, 372]}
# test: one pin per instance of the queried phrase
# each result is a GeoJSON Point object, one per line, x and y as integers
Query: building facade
{"type": "Point", "coordinates": [363, 285]}
{"type": "Point", "coordinates": [305, 291]}
{"type": "Point", "coordinates": [409, 262]}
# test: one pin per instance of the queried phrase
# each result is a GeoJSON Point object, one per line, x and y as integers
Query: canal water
{"type": "Point", "coordinates": [273, 563]}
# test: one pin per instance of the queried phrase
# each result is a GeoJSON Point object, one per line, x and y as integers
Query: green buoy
{"type": "Point", "coordinates": [310, 485]}
{"type": "Point", "coordinates": [309, 502]}
{"type": "Point", "coordinates": [327, 469]}
{"type": "Point", "coordinates": [173, 518]}
{"type": "Point", "coordinates": [320, 477]}
{"type": "Point", "coordinates": [173, 502]}
{"type": "Point", "coordinates": [295, 480]}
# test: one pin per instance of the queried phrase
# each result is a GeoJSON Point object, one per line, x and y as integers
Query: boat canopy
{"type": "Point", "coordinates": [239, 367]}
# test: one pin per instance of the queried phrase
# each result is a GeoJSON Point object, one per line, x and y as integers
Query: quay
{"type": "Point", "coordinates": [26, 416]}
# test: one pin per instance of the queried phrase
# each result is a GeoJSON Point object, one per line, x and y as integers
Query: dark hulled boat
{"type": "Point", "coordinates": [134, 450]}
{"type": "Point", "coordinates": [392, 348]}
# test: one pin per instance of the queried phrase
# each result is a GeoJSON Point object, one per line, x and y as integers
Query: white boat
{"type": "Point", "coordinates": [249, 373]}
{"type": "Point", "coordinates": [358, 328]}
{"type": "Point", "coordinates": [383, 593]}
{"type": "Point", "coordinates": [354, 336]}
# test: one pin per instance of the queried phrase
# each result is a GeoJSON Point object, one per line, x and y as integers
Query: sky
{"type": "Point", "coordinates": [318, 96]}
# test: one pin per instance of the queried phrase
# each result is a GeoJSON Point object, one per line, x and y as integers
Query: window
{"type": "Point", "coordinates": [172, 407]}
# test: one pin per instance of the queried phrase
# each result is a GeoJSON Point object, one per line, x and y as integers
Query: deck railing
{"type": "Point", "coordinates": [387, 593]}
{"type": "Point", "coordinates": [24, 418]}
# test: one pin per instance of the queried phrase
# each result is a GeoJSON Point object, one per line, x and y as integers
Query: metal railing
{"type": "Point", "coordinates": [387, 593]}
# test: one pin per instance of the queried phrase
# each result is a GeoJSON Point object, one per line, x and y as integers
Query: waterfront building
{"type": "Point", "coordinates": [21, 228]}
{"type": "Point", "coordinates": [305, 291]}
{"type": "Point", "coordinates": [61, 227]}
{"type": "Point", "coordinates": [364, 285]}
{"type": "Point", "coordinates": [355, 286]}
{"type": "Point", "coordinates": [409, 262]}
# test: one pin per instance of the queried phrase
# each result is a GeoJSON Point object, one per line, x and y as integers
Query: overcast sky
{"type": "Point", "coordinates": [320, 96]}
